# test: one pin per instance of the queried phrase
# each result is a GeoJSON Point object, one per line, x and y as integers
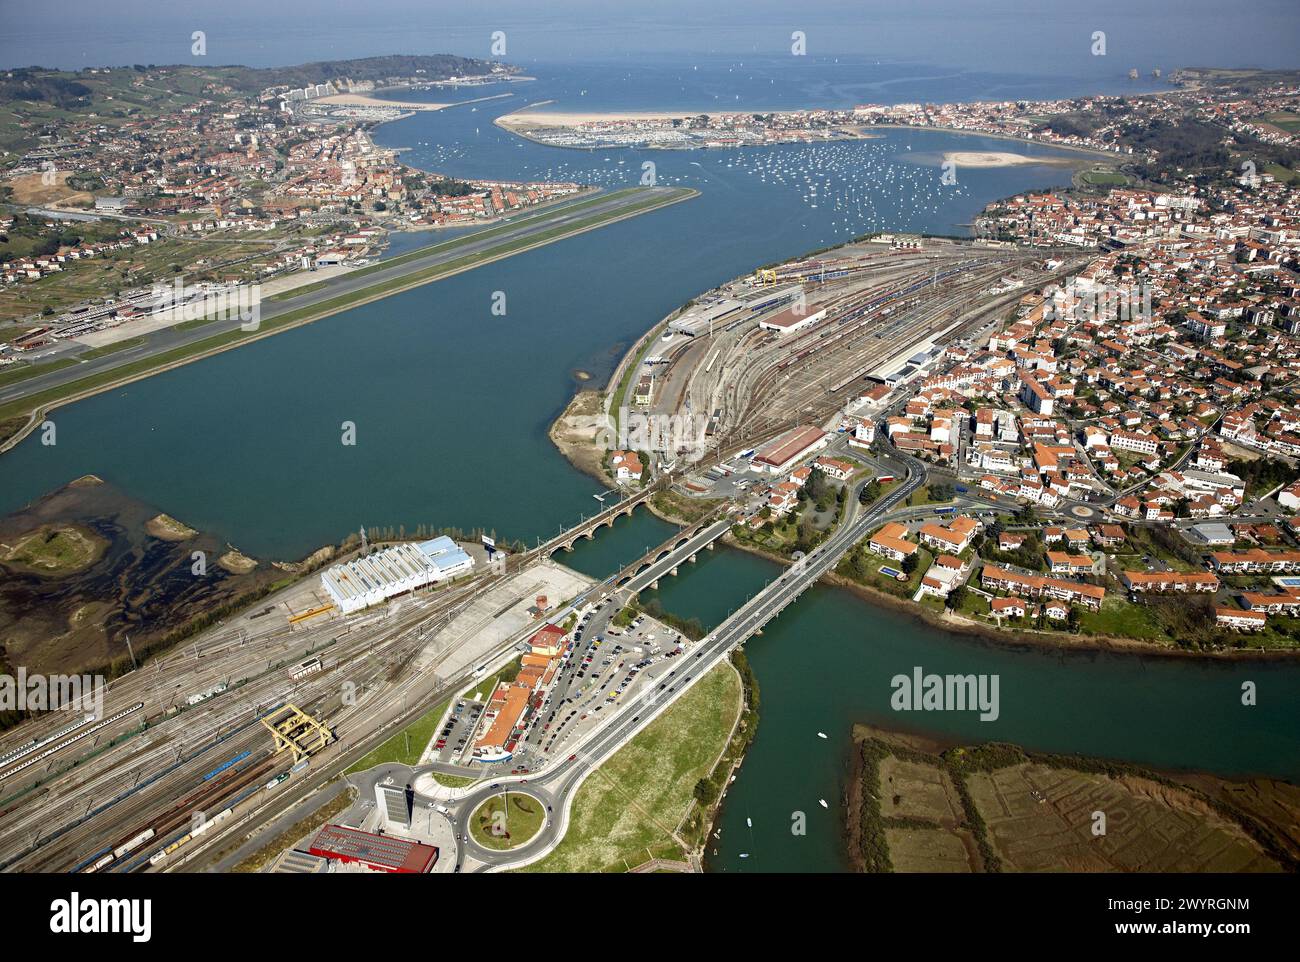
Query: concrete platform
{"type": "Point", "coordinates": [497, 615]}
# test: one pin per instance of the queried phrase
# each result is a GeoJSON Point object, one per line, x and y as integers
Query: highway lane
{"type": "Point", "coordinates": [158, 342]}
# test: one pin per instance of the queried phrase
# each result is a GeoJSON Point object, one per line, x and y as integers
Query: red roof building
{"type": "Point", "coordinates": [381, 853]}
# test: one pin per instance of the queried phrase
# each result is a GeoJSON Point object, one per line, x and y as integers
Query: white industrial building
{"type": "Point", "coordinates": [791, 319]}
{"type": "Point", "coordinates": [362, 582]}
{"type": "Point", "coordinates": [703, 318]}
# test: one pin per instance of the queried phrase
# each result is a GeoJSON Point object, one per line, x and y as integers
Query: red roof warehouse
{"type": "Point", "coordinates": [779, 454]}
{"type": "Point", "coordinates": [383, 853]}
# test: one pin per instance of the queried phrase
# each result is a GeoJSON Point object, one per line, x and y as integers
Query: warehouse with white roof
{"type": "Point", "coordinates": [362, 582]}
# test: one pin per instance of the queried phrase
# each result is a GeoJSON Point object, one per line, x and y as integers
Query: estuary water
{"type": "Point", "coordinates": [451, 401]}
{"type": "Point", "coordinates": [451, 405]}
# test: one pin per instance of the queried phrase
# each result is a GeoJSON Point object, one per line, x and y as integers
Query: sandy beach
{"type": "Point", "coordinates": [972, 158]}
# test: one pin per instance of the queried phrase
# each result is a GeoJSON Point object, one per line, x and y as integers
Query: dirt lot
{"type": "Point", "coordinates": [32, 189]}
{"type": "Point", "coordinates": [577, 430]}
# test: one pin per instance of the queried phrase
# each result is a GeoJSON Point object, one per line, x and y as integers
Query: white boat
{"type": "Point", "coordinates": [749, 822]}
{"type": "Point", "coordinates": [821, 734]}
{"type": "Point", "coordinates": [822, 803]}
{"type": "Point", "coordinates": [744, 855]}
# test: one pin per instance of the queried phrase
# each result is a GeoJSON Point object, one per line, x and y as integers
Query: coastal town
{"type": "Point", "coordinates": [1125, 436]}
{"type": "Point", "coordinates": [849, 408]}
{"type": "Point", "coordinates": [1114, 455]}
{"type": "Point", "coordinates": [1097, 124]}
{"type": "Point", "coordinates": [279, 187]}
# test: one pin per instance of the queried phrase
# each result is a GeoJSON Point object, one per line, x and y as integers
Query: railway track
{"type": "Point", "coordinates": [786, 381]}
{"type": "Point", "coordinates": [166, 769]}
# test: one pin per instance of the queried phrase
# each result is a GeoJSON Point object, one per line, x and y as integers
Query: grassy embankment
{"type": "Point", "coordinates": [406, 746]}
{"type": "Point", "coordinates": [308, 825]}
{"type": "Point", "coordinates": [630, 810]}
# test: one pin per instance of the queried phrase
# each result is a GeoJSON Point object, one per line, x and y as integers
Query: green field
{"type": "Point", "coordinates": [628, 810]}
{"type": "Point", "coordinates": [1283, 175]}
{"type": "Point", "coordinates": [407, 745]}
{"type": "Point", "coordinates": [1286, 121]}
{"type": "Point", "coordinates": [485, 686]}
{"type": "Point", "coordinates": [452, 781]}
{"type": "Point", "coordinates": [1103, 178]}
{"type": "Point", "coordinates": [1122, 619]}
{"type": "Point", "coordinates": [56, 549]}
{"type": "Point", "coordinates": [507, 821]}
{"type": "Point", "coordinates": [923, 495]}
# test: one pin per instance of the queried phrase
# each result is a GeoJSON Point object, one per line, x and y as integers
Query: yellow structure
{"type": "Point", "coordinates": [765, 275]}
{"type": "Point", "coordinates": [310, 613]}
{"type": "Point", "coordinates": [293, 729]}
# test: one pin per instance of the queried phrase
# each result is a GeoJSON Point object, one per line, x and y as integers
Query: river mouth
{"type": "Point", "coordinates": [823, 666]}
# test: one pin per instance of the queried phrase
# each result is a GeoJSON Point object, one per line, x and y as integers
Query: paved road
{"type": "Point", "coordinates": [678, 557]}
{"type": "Point", "coordinates": [523, 226]}
{"type": "Point", "coordinates": [556, 786]}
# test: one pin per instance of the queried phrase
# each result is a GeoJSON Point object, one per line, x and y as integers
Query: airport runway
{"type": "Point", "coordinates": [521, 228]}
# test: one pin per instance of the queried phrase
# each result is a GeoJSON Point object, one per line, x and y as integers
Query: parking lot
{"type": "Point", "coordinates": [603, 663]}
{"type": "Point", "coordinates": [454, 741]}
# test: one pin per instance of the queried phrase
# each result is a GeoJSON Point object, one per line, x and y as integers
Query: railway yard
{"type": "Point", "coordinates": [134, 791]}
{"type": "Point", "coordinates": [866, 309]}
{"type": "Point", "coordinates": [196, 750]}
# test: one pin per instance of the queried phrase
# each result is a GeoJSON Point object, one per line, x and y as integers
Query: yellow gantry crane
{"type": "Point", "coordinates": [765, 275]}
{"type": "Point", "coordinates": [293, 729]}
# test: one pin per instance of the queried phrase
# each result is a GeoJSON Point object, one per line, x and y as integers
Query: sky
{"type": "Point", "coordinates": [1029, 36]}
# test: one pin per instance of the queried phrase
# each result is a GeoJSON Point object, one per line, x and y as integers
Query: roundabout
{"type": "Point", "coordinates": [507, 820]}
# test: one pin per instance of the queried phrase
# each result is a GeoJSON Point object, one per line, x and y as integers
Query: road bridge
{"type": "Point", "coordinates": [682, 548]}
{"type": "Point", "coordinates": [556, 786]}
